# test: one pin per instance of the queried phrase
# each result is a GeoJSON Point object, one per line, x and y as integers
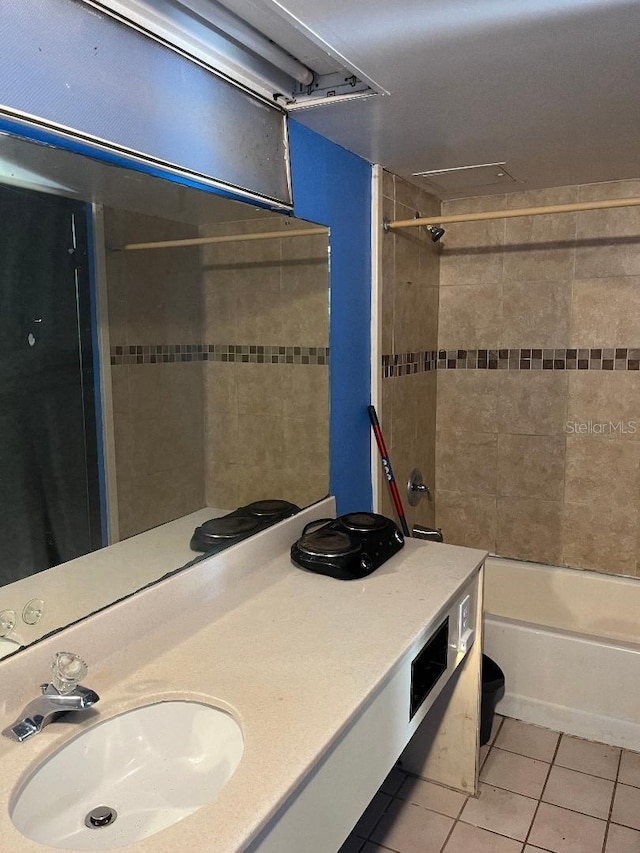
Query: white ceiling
{"type": "Point", "coordinates": [551, 87]}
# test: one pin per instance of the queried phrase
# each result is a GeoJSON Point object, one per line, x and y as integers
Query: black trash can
{"type": "Point", "coordinates": [492, 693]}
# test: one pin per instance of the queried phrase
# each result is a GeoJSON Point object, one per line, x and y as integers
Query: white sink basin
{"type": "Point", "coordinates": [153, 765]}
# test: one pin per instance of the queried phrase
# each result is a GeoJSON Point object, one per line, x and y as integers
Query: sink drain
{"type": "Point", "coordinates": [100, 817]}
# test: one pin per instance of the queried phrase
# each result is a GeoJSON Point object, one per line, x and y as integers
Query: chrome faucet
{"type": "Point", "coordinates": [63, 694]}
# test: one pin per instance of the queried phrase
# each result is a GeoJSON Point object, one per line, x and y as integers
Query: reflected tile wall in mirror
{"type": "Point", "coordinates": [215, 381]}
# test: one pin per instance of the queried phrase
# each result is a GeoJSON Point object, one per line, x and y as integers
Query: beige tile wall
{"type": "Point", "coordinates": [154, 297]}
{"type": "Point", "coordinates": [267, 425]}
{"type": "Point", "coordinates": [409, 323]}
{"type": "Point", "coordinates": [511, 475]}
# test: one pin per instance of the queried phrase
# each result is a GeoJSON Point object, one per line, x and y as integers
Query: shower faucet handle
{"type": "Point", "coordinates": [416, 488]}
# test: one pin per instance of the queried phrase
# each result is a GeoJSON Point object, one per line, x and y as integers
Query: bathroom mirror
{"type": "Point", "coordinates": [144, 390]}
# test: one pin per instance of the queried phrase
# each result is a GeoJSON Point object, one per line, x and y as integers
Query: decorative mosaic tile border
{"type": "Point", "coordinates": [248, 353]}
{"type": "Point", "coordinates": [405, 363]}
{"type": "Point", "coordinates": [610, 358]}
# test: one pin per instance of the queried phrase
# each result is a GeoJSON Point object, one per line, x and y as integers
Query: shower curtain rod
{"type": "Point", "coordinates": [227, 238]}
{"type": "Point", "coordinates": [508, 214]}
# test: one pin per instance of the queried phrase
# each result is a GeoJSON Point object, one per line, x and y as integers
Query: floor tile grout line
{"type": "Point", "coordinates": [546, 802]}
{"type": "Point", "coordinates": [521, 754]}
{"type": "Point", "coordinates": [539, 800]}
{"type": "Point", "coordinates": [537, 808]}
{"type": "Point", "coordinates": [592, 775]}
{"type": "Point", "coordinates": [613, 798]}
{"type": "Point", "coordinates": [482, 829]}
{"type": "Point", "coordinates": [449, 834]}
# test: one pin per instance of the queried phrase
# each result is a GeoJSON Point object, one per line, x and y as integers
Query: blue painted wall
{"type": "Point", "coordinates": [332, 186]}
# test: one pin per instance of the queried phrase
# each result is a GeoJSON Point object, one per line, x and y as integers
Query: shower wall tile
{"type": "Point", "coordinates": [415, 317]}
{"type": "Point", "coordinates": [260, 392]}
{"type": "Point", "coordinates": [535, 314]}
{"type": "Point", "coordinates": [600, 537]}
{"type": "Point", "coordinates": [531, 466]}
{"type": "Point", "coordinates": [154, 298]}
{"type": "Point", "coordinates": [271, 419]}
{"type": "Point", "coordinates": [221, 387]}
{"type": "Point", "coordinates": [407, 249]}
{"type": "Point", "coordinates": [473, 253]}
{"type": "Point", "coordinates": [605, 406]}
{"type": "Point", "coordinates": [415, 198]}
{"type": "Point", "coordinates": [267, 422]}
{"type": "Point", "coordinates": [310, 437]}
{"type": "Point", "coordinates": [468, 400]}
{"type": "Point", "coordinates": [261, 418]}
{"type": "Point", "coordinates": [540, 247]}
{"type": "Point", "coordinates": [409, 325]}
{"type": "Point", "coordinates": [469, 520]}
{"type": "Point", "coordinates": [602, 472]}
{"type": "Point", "coordinates": [220, 302]}
{"type": "Point", "coordinates": [388, 181]}
{"type": "Point", "coordinates": [605, 311]}
{"type": "Point", "coordinates": [530, 529]}
{"type": "Point", "coordinates": [158, 442]}
{"type": "Point", "coordinates": [533, 403]}
{"type": "Point", "coordinates": [467, 462]}
{"type": "Point", "coordinates": [470, 316]}
{"type": "Point", "coordinates": [609, 189]}
{"type": "Point", "coordinates": [565, 413]}
{"type": "Point", "coordinates": [608, 243]}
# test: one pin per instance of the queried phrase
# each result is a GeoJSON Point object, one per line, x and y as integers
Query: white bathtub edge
{"type": "Point", "coordinates": [581, 685]}
{"type": "Point", "coordinates": [560, 718]}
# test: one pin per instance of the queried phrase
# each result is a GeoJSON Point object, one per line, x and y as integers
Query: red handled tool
{"type": "Point", "coordinates": [388, 470]}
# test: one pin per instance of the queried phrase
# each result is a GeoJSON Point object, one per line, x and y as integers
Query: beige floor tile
{"type": "Point", "coordinates": [371, 815]}
{"type": "Point", "coordinates": [598, 759]}
{"type": "Point", "coordinates": [408, 828]}
{"type": "Point", "coordinates": [572, 790]}
{"type": "Point", "coordinates": [484, 751]}
{"type": "Point", "coordinates": [529, 740]}
{"type": "Point", "coordinates": [496, 725]}
{"type": "Point", "coordinates": [472, 839]}
{"type": "Point", "coordinates": [393, 782]}
{"type": "Point", "coordinates": [630, 768]}
{"type": "Point", "coordinates": [626, 806]}
{"type": "Point", "coordinates": [564, 831]}
{"type": "Point", "coordinates": [621, 839]}
{"type": "Point", "coordinates": [514, 772]}
{"type": "Point", "coordinates": [500, 811]}
{"type": "Point", "coordinates": [431, 796]}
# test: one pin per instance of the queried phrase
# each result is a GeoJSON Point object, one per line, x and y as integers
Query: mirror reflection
{"type": "Point", "coordinates": [144, 388]}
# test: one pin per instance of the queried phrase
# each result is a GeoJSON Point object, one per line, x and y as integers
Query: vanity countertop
{"type": "Point", "coordinates": [294, 656]}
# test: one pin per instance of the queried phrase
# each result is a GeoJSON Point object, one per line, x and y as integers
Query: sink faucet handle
{"type": "Point", "coordinates": [68, 670]}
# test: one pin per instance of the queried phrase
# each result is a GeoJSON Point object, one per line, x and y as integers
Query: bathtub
{"type": "Point", "coordinates": [568, 642]}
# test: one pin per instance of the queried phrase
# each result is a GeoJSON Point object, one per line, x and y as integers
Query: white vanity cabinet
{"type": "Point", "coordinates": [425, 713]}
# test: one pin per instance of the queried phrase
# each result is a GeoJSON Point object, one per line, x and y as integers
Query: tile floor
{"type": "Point", "coordinates": [539, 791]}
